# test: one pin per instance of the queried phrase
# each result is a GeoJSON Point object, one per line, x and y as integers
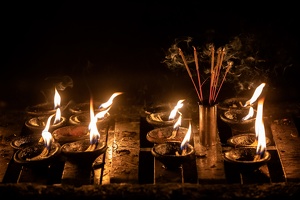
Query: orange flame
{"type": "Point", "coordinates": [178, 123]}
{"type": "Point", "coordinates": [255, 95]}
{"type": "Point", "coordinates": [57, 100]}
{"type": "Point", "coordinates": [186, 138]}
{"type": "Point", "coordinates": [174, 111]}
{"type": "Point", "coordinates": [259, 128]}
{"type": "Point", "coordinates": [110, 101]}
{"type": "Point", "coordinates": [47, 136]}
{"type": "Point", "coordinates": [94, 133]}
{"type": "Point", "coordinates": [250, 114]}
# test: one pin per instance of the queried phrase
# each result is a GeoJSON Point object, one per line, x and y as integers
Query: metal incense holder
{"type": "Point", "coordinates": [161, 119]}
{"type": "Point", "coordinates": [171, 155]}
{"type": "Point", "coordinates": [166, 134]}
{"type": "Point", "coordinates": [246, 159]}
{"type": "Point", "coordinates": [37, 124]}
{"type": "Point", "coordinates": [245, 140]}
{"type": "Point", "coordinates": [37, 154]}
{"type": "Point", "coordinates": [71, 133]}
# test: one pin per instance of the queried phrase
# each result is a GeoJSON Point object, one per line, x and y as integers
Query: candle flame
{"type": "Point", "coordinates": [57, 100]}
{"type": "Point", "coordinates": [47, 136]}
{"type": "Point", "coordinates": [260, 129]}
{"type": "Point", "coordinates": [186, 138]}
{"type": "Point", "coordinates": [102, 114]}
{"type": "Point", "coordinates": [93, 130]}
{"type": "Point", "coordinates": [178, 123]}
{"type": "Point", "coordinates": [109, 102]}
{"type": "Point", "coordinates": [175, 110]}
{"type": "Point", "coordinates": [250, 114]}
{"type": "Point", "coordinates": [255, 95]}
{"type": "Point", "coordinates": [94, 133]}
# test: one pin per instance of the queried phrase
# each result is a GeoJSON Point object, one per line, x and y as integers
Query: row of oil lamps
{"type": "Point", "coordinates": [81, 142]}
{"type": "Point", "coordinates": [171, 141]}
{"type": "Point", "coordinates": [77, 137]}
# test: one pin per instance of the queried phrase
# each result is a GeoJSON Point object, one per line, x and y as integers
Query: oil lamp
{"type": "Point", "coordinates": [251, 157]}
{"type": "Point", "coordinates": [37, 124]}
{"type": "Point", "coordinates": [84, 152]}
{"type": "Point", "coordinates": [172, 154]}
{"type": "Point", "coordinates": [241, 116]}
{"type": "Point", "coordinates": [41, 152]}
{"type": "Point", "coordinates": [163, 118]}
{"type": "Point", "coordinates": [174, 133]}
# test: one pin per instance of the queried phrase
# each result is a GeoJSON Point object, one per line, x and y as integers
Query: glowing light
{"type": "Point", "coordinates": [255, 95]}
{"type": "Point", "coordinates": [110, 101]}
{"type": "Point", "coordinates": [47, 136]}
{"type": "Point", "coordinates": [260, 128]}
{"type": "Point", "coordinates": [250, 114]}
{"type": "Point", "coordinates": [175, 110]}
{"type": "Point", "coordinates": [57, 100]}
{"type": "Point", "coordinates": [186, 138]}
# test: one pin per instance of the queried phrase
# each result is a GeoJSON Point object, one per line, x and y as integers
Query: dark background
{"type": "Point", "coordinates": [121, 46]}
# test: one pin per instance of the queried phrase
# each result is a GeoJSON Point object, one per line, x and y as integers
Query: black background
{"type": "Point", "coordinates": [121, 45]}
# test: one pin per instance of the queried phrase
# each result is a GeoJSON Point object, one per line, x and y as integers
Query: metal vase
{"type": "Point", "coordinates": [208, 130]}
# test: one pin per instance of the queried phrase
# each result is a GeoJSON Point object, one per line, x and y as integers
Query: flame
{"type": "Point", "coordinates": [186, 138]}
{"type": "Point", "coordinates": [178, 123]}
{"type": "Point", "coordinates": [47, 136]}
{"type": "Point", "coordinates": [174, 111]}
{"type": "Point", "coordinates": [109, 102]}
{"type": "Point", "coordinates": [101, 114]}
{"type": "Point", "coordinates": [94, 133]}
{"type": "Point", "coordinates": [57, 100]}
{"type": "Point", "coordinates": [255, 95]}
{"type": "Point", "coordinates": [250, 114]}
{"type": "Point", "coordinates": [260, 129]}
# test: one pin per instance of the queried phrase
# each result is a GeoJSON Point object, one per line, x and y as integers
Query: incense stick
{"type": "Point", "coordinates": [189, 72]}
{"type": "Point", "coordinates": [215, 72]}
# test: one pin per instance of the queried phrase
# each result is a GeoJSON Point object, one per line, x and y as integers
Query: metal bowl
{"type": "Point", "coordinates": [171, 155]}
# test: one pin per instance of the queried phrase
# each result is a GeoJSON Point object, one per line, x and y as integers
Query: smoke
{"type": "Point", "coordinates": [61, 82]}
{"type": "Point", "coordinates": [248, 69]}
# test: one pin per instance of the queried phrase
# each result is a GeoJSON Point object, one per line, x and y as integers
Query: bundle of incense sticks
{"type": "Point", "coordinates": [215, 73]}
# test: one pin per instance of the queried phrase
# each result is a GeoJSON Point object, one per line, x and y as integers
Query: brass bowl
{"type": "Point", "coordinates": [163, 134]}
{"type": "Point", "coordinates": [245, 140]}
{"type": "Point", "coordinates": [234, 118]}
{"type": "Point", "coordinates": [161, 119]}
{"type": "Point", "coordinates": [37, 124]}
{"type": "Point", "coordinates": [31, 155]}
{"type": "Point", "coordinates": [42, 109]}
{"type": "Point", "coordinates": [76, 152]}
{"type": "Point", "coordinates": [171, 155]}
{"type": "Point", "coordinates": [244, 158]}
{"type": "Point", "coordinates": [71, 133]}
{"type": "Point", "coordinates": [83, 107]}
{"type": "Point", "coordinates": [24, 141]}
{"type": "Point", "coordinates": [84, 119]}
